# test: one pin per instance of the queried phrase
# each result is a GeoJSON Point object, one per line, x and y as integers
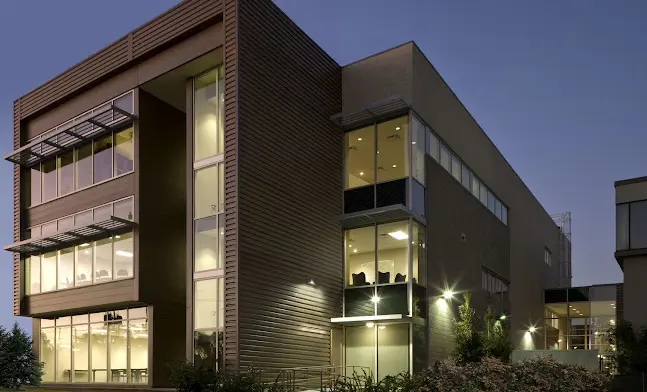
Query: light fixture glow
{"type": "Point", "coordinates": [361, 173]}
{"type": "Point", "coordinates": [503, 317]}
{"type": "Point", "coordinates": [354, 250]}
{"type": "Point", "coordinates": [413, 142]}
{"type": "Point", "coordinates": [448, 294]}
{"type": "Point", "coordinates": [375, 299]}
{"type": "Point", "coordinates": [124, 253]}
{"type": "Point", "coordinates": [532, 329]}
{"type": "Point", "coordinates": [596, 332]}
{"type": "Point", "coordinates": [399, 235]}
{"type": "Point", "coordinates": [382, 327]}
{"type": "Point", "coordinates": [395, 165]}
{"type": "Point", "coordinates": [559, 340]}
{"type": "Point", "coordinates": [350, 245]}
{"type": "Point", "coordinates": [359, 139]}
{"type": "Point", "coordinates": [117, 236]}
{"type": "Point", "coordinates": [312, 282]}
{"type": "Point", "coordinates": [86, 244]}
{"type": "Point", "coordinates": [397, 128]}
{"type": "Point", "coordinates": [370, 324]}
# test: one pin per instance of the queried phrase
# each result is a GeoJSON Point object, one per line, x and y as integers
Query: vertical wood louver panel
{"type": "Point", "coordinates": [16, 298]}
{"type": "Point", "coordinates": [174, 24]}
{"type": "Point", "coordinates": [230, 18]}
{"type": "Point", "coordinates": [289, 192]}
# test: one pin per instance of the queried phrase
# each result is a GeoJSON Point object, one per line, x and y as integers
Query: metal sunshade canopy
{"type": "Point", "coordinates": [72, 236]}
{"type": "Point", "coordinates": [83, 129]}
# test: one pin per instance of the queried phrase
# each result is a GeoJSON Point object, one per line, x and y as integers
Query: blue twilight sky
{"type": "Point", "coordinates": [558, 85]}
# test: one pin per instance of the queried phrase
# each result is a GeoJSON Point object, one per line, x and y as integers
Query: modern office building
{"type": "Point", "coordinates": [631, 247]}
{"type": "Point", "coordinates": [214, 186]}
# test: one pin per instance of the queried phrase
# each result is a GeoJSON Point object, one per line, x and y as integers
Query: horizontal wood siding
{"type": "Point", "coordinates": [174, 24]}
{"type": "Point", "coordinates": [118, 188]}
{"type": "Point", "coordinates": [289, 192]}
{"type": "Point", "coordinates": [101, 296]}
{"type": "Point", "coordinates": [230, 19]}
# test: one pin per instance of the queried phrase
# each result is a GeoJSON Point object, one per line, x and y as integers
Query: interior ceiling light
{"type": "Point", "coordinates": [399, 235]}
{"type": "Point", "coordinates": [354, 250]}
{"type": "Point", "coordinates": [397, 128]}
{"type": "Point", "coordinates": [86, 244]}
{"type": "Point", "coordinates": [382, 327]}
{"type": "Point", "coordinates": [359, 139]}
{"type": "Point", "coordinates": [124, 253]}
{"type": "Point", "coordinates": [361, 173]}
{"type": "Point", "coordinates": [370, 324]}
{"type": "Point", "coordinates": [413, 142]}
{"type": "Point", "coordinates": [395, 165]}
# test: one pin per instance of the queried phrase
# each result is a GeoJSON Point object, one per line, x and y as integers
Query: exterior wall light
{"type": "Point", "coordinates": [448, 294]}
{"type": "Point", "coordinates": [375, 299]}
{"type": "Point", "coordinates": [532, 329]}
{"type": "Point", "coordinates": [312, 282]}
{"type": "Point", "coordinates": [503, 317]}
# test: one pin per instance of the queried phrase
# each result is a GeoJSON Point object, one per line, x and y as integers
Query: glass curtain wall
{"type": "Point", "coordinates": [90, 163]}
{"type": "Point", "coordinates": [580, 319]}
{"type": "Point", "coordinates": [380, 263]}
{"type": "Point", "coordinates": [110, 347]}
{"type": "Point", "coordinates": [88, 263]}
{"type": "Point", "coordinates": [208, 213]}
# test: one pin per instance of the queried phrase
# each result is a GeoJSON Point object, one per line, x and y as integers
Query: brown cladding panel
{"type": "Point", "coordinates": [106, 192]}
{"type": "Point", "coordinates": [161, 231]}
{"type": "Point", "coordinates": [289, 192]}
{"type": "Point", "coordinates": [176, 23]}
{"type": "Point", "coordinates": [81, 299]}
{"type": "Point", "coordinates": [230, 17]}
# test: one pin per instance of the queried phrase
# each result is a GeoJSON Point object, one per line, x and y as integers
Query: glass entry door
{"type": "Point", "coordinates": [377, 350]}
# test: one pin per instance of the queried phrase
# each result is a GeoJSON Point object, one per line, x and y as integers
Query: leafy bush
{"type": "Point", "coordinates": [18, 363]}
{"type": "Point", "coordinates": [493, 375]}
{"type": "Point", "coordinates": [468, 345]}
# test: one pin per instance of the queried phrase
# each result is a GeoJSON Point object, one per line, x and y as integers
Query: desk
{"type": "Point", "coordinates": [137, 376]}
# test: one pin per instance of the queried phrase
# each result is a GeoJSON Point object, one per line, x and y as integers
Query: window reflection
{"type": "Point", "coordinates": [206, 192]}
{"type": "Point", "coordinates": [102, 159]}
{"type": "Point", "coordinates": [48, 272]}
{"type": "Point", "coordinates": [360, 157]}
{"type": "Point", "coordinates": [393, 252]}
{"type": "Point", "coordinates": [392, 149]}
{"type": "Point", "coordinates": [360, 256]}
{"type": "Point", "coordinates": [124, 151]}
{"type": "Point", "coordinates": [65, 173]}
{"type": "Point", "coordinates": [123, 257]}
{"type": "Point", "coordinates": [49, 180]}
{"type": "Point", "coordinates": [47, 355]}
{"type": "Point", "coordinates": [66, 268]}
{"type": "Point", "coordinates": [208, 113]}
{"type": "Point", "coordinates": [207, 244]}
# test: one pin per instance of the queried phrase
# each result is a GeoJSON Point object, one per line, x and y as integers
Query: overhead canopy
{"type": "Point", "coordinates": [83, 129]}
{"type": "Point", "coordinates": [72, 236]}
{"type": "Point", "coordinates": [380, 110]}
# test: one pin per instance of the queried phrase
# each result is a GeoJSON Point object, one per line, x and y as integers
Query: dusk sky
{"type": "Point", "coordinates": [560, 86]}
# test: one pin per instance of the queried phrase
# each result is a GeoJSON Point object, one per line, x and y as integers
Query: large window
{"type": "Point", "coordinates": [631, 225]}
{"type": "Point", "coordinates": [87, 164]}
{"type": "Point", "coordinates": [209, 321]}
{"type": "Point", "coordinates": [105, 347]}
{"type": "Point", "coordinates": [209, 233]}
{"type": "Point", "coordinates": [380, 153]}
{"type": "Point", "coordinates": [208, 101]}
{"type": "Point", "coordinates": [360, 256]}
{"type": "Point", "coordinates": [90, 262]}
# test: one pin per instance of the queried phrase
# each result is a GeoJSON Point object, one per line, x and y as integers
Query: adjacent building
{"type": "Point", "coordinates": [214, 186]}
